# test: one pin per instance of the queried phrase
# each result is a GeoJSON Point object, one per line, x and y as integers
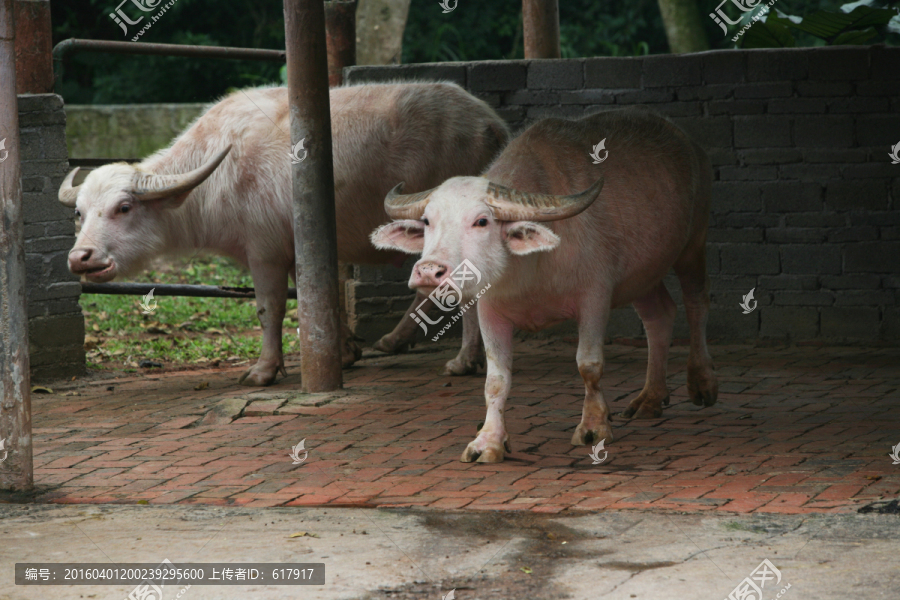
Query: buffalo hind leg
{"type": "Point", "coordinates": [595, 418]}
{"type": "Point", "coordinates": [703, 387]}
{"type": "Point", "coordinates": [657, 311]}
{"type": "Point", "coordinates": [270, 282]}
{"type": "Point", "coordinates": [403, 337]}
{"type": "Point", "coordinates": [471, 355]}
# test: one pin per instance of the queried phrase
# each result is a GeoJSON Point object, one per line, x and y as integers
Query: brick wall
{"type": "Point", "coordinates": [55, 322]}
{"type": "Point", "coordinates": [806, 202]}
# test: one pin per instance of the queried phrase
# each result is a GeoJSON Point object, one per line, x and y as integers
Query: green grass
{"type": "Point", "coordinates": [181, 330]}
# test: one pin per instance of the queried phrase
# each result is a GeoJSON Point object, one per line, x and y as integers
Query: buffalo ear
{"type": "Point", "coordinates": [526, 237]}
{"type": "Point", "coordinates": [406, 236]}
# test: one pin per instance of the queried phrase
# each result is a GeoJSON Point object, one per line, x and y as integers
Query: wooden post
{"type": "Point", "coordinates": [16, 469]}
{"type": "Point", "coordinates": [540, 26]}
{"type": "Point", "coordinates": [340, 31]}
{"type": "Point", "coordinates": [315, 232]}
{"type": "Point", "coordinates": [34, 47]}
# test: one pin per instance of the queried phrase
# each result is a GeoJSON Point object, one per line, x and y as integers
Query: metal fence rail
{"type": "Point", "coordinates": [172, 289]}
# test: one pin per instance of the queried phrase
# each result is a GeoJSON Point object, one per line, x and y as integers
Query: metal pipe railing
{"type": "Point", "coordinates": [172, 289]}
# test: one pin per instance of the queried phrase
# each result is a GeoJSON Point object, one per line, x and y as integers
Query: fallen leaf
{"type": "Point", "coordinates": [158, 330]}
{"type": "Point", "coordinates": [302, 534]}
{"type": "Point", "coordinates": [90, 342]}
{"type": "Point", "coordinates": [37, 389]}
{"type": "Point", "coordinates": [525, 570]}
{"type": "Point", "coordinates": [143, 502]}
{"type": "Point", "coordinates": [203, 385]}
{"type": "Point", "coordinates": [873, 477]}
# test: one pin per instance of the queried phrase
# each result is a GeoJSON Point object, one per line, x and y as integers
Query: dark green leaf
{"type": "Point", "coordinates": [855, 37]}
{"type": "Point", "coordinates": [770, 33]}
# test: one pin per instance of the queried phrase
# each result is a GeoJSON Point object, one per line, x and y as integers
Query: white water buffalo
{"type": "Point", "coordinates": [224, 186]}
{"type": "Point", "coordinates": [553, 247]}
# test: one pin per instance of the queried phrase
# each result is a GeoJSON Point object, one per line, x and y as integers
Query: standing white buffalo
{"type": "Point", "coordinates": [224, 186]}
{"type": "Point", "coordinates": [552, 248]}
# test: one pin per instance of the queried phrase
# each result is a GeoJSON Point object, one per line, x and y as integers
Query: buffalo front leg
{"type": "Point", "coordinates": [403, 337]}
{"type": "Point", "coordinates": [657, 311]}
{"type": "Point", "coordinates": [270, 282]}
{"type": "Point", "coordinates": [595, 419]}
{"type": "Point", "coordinates": [471, 355]}
{"type": "Point", "coordinates": [492, 439]}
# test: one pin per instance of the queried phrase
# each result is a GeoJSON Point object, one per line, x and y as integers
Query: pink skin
{"type": "Point", "coordinates": [650, 217]}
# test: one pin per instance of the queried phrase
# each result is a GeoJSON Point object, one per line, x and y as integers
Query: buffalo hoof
{"type": "Point", "coordinates": [392, 344]}
{"type": "Point", "coordinates": [646, 406]}
{"type": "Point", "coordinates": [462, 365]}
{"type": "Point", "coordinates": [703, 387]}
{"type": "Point", "coordinates": [586, 435]}
{"type": "Point", "coordinates": [259, 376]}
{"type": "Point", "coordinates": [485, 449]}
{"type": "Point", "coordinates": [350, 353]}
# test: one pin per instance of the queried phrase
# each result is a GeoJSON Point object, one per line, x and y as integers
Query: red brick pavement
{"type": "Point", "coordinates": [796, 430]}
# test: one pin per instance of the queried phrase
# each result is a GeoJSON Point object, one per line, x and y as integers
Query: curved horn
{"type": "Point", "coordinates": [511, 205]}
{"type": "Point", "coordinates": [148, 186]}
{"type": "Point", "coordinates": [67, 193]}
{"type": "Point", "coordinates": [406, 206]}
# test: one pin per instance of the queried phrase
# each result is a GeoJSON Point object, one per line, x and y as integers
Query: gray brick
{"type": "Point", "coordinates": [725, 66]}
{"type": "Point", "coordinates": [645, 96]}
{"type": "Point", "coordinates": [795, 235]}
{"type": "Point", "coordinates": [874, 217]}
{"type": "Point", "coordinates": [809, 258]}
{"type": "Point", "coordinates": [794, 298]}
{"type": "Point", "coordinates": [48, 244]}
{"type": "Point", "coordinates": [664, 70]}
{"type": "Point", "coordinates": [27, 103]}
{"type": "Point", "coordinates": [852, 234]}
{"type": "Point", "coordinates": [721, 156]}
{"type": "Point", "coordinates": [587, 97]}
{"type": "Point", "coordinates": [768, 156]}
{"type": "Point", "coordinates": [736, 107]}
{"type": "Point", "coordinates": [568, 111]}
{"type": "Point", "coordinates": [45, 168]}
{"type": "Point", "coordinates": [890, 233]}
{"type": "Point", "coordinates": [806, 172]}
{"type": "Point", "coordinates": [512, 114]}
{"type": "Point", "coordinates": [680, 109]}
{"type": "Point", "coordinates": [827, 155]}
{"type": "Point", "coordinates": [890, 326]}
{"type": "Point", "coordinates": [789, 282]}
{"type": "Point", "coordinates": [735, 197]}
{"type": "Point", "coordinates": [763, 90]}
{"type": "Point", "coordinates": [884, 61]}
{"type": "Point", "coordinates": [737, 236]}
{"type": "Point", "coordinates": [748, 173]}
{"type": "Point", "coordinates": [821, 88]}
{"type": "Point", "coordinates": [891, 282]}
{"type": "Point", "coordinates": [816, 219]}
{"type": "Point", "coordinates": [565, 74]}
{"type": "Point", "coordinates": [849, 323]}
{"type": "Point", "coordinates": [865, 194]}
{"type": "Point", "coordinates": [492, 99]}
{"type": "Point", "coordinates": [859, 105]}
{"type": "Point", "coordinates": [824, 132]}
{"type": "Point", "coordinates": [864, 298]}
{"type": "Point", "coordinates": [788, 322]}
{"type": "Point", "coordinates": [706, 92]}
{"type": "Point", "coordinates": [872, 257]}
{"type": "Point", "coordinates": [884, 170]}
{"type": "Point", "coordinates": [531, 97]}
{"type": "Point", "coordinates": [497, 75]}
{"type": "Point", "coordinates": [762, 132]}
{"type": "Point", "coordinates": [785, 196]}
{"type": "Point", "coordinates": [612, 73]}
{"type": "Point", "coordinates": [709, 132]}
{"type": "Point", "coordinates": [796, 105]}
{"type": "Point", "coordinates": [730, 324]}
{"type": "Point", "coordinates": [38, 209]}
{"type": "Point", "coordinates": [747, 220]}
{"type": "Point", "coordinates": [838, 63]}
{"type": "Point", "coordinates": [776, 65]}
{"type": "Point", "coordinates": [880, 87]}
{"type": "Point", "coordinates": [749, 258]}
{"type": "Point", "coordinates": [850, 282]}
{"type": "Point", "coordinates": [876, 130]}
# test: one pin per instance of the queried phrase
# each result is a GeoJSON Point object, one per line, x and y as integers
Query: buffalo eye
{"type": "Point", "coordinates": [481, 222]}
{"type": "Point", "coordinates": [425, 221]}
{"type": "Point", "coordinates": [124, 208]}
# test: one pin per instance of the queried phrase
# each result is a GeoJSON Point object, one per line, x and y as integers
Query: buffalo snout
{"type": "Point", "coordinates": [429, 273]}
